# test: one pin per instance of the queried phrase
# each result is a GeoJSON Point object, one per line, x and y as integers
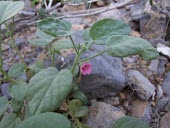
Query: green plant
{"type": "Point", "coordinates": [39, 102]}
{"type": "Point", "coordinates": [129, 122]}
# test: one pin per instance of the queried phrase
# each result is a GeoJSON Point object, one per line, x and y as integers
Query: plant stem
{"type": "Point", "coordinates": [8, 77]}
{"type": "Point", "coordinates": [92, 56]}
{"type": "Point", "coordinates": [73, 44]}
{"type": "Point", "coordinates": [14, 44]}
{"type": "Point", "coordinates": [52, 58]}
{"type": "Point", "coordinates": [0, 48]}
{"type": "Point", "coordinates": [91, 44]}
{"type": "Point", "coordinates": [75, 62]}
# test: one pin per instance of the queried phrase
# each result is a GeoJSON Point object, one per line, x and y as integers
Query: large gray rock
{"type": "Point", "coordinates": [166, 85]}
{"type": "Point", "coordinates": [107, 78]}
{"type": "Point", "coordinates": [144, 88]}
{"type": "Point", "coordinates": [102, 115]}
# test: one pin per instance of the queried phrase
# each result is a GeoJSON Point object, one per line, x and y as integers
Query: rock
{"type": "Point", "coordinates": [74, 7]}
{"type": "Point", "coordinates": [77, 27]}
{"type": "Point", "coordinates": [142, 110]}
{"type": "Point", "coordinates": [100, 3]}
{"type": "Point", "coordinates": [107, 76]}
{"type": "Point", "coordinates": [165, 121]}
{"type": "Point", "coordinates": [154, 66]}
{"type": "Point", "coordinates": [102, 115]}
{"type": "Point", "coordinates": [163, 49]}
{"type": "Point", "coordinates": [161, 66]}
{"type": "Point", "coordinates": [113, 14]}
{"type": "Point", "coordinates": [151, 28]}
{"type": "Point", "coordinates": [129, 60]}
{"type": "Point", "coordinates": [4, 47]}
{"type": "Point", "coordinates": [136, 9]}
{"type": "Point", "coordinates": [27, 49]}
{"type": "Point", "coordinates": [156, 41]}
{"type": "Point", "coordinates": [5, 90]}
{"type": "Point", "coordinates": [162, 103]}
{"type": "Point", "coordinates": [144, 88]}
{"type": "Point", "coordinates": [166, 85]}
{"type": "Point", "coordinates": [122, 96]}
{"type": "Point", "coordinates": [159, 92]}
{"type": "Point", "coordinates": [20, 42]}
{"type": "Point", "coordinates": [106, 79]}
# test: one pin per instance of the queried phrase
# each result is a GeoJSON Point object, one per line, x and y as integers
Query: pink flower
{"type": "Point", "coordinates": [85, 68]}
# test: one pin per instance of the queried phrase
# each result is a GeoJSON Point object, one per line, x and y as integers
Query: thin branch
{"type": "Point", "coordinates": [91, 12]}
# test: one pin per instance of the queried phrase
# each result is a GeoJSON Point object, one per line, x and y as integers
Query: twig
{"type": "Point", "coordinates": [104, 9]}
{"type": "Point", "coordinates": [49, 5]}
{"type": "Point", "coordinates": [91, 11]}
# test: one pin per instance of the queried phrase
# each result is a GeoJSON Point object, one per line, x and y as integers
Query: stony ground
{"type": "Point", "coordinates": [127, 86]}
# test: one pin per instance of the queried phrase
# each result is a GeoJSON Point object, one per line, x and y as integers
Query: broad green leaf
{"type": "Point", "coordinates": [46, 120]}
{"type": "Point", "coordinates": [42, 40]}
{"type": "Point", "coordinates": [27, 112]}
{"type": "Point", "coordinates": [39, 42]}
{"type": "Point", "coordinates": [79, 95]}
{"type": "Point", "coordinates": [16, 70]}
{"type": "Point", "coordinates": [86, 35]}
{"type": "Point", "coordinates": [36, 67]}
{"type": "Point", "coordinates": [48, 89]}
{"type": "Point", "coordinates": [62, 44]}
{"type": "Point", "coordinates": [3, 105]}
{"type": "Point", "coordinates": [16, 105]}
{"type": "Point", "coordinates": [76, 109]}
{"type": "Point", "coordinates": [8, 9]}
{"type": "Point", "coordinates": [10, 121]}
{"type": "Point", "coordinates": [123, 46]}
{"type": "Point", "coordinates": [19, 90]}
{"type": "Point", "coordinates": [106, 28]}
{"type": "Point", "coordinates": [43, 35]}
{"type": "Point", "coordinates": [82, 111]}
{"type": "Point", "coordinates": [55, 27]}
{"type": "Point", "coordinates": [129, 122]}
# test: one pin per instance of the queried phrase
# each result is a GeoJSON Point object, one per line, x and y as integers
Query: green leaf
{"type": "Point", "coordinates": [82, 111]}
{"type": "Point", "coordinates": [76, 109]}
{"type": "Point", "coordinates": [39, 42]}
{"type": "Point", "coordinates": [86, 35]}
{"type": "Point", "coordinates": [48, 89]}
{"type": "Point", "coordinates": [55, 27]}
{"type": "Point", "coordinates": [27, 112]}
{"type": "Point", "coordinates": [8, 9]}
{"type": "Point", "coordinates": [79, 95]}
{"type": "Point", "coordinates": [3, 105]}
{"type": "Point", "coordinates": [129, 122]}
{"type": "Point", "coordinates": [36, 67]}
{"type": "Point", "coordinates": [62, 44]}
{"type": "Point", "coordinates": [16, 70]}
{"type": "Point", "coordinates": [10, 121]}
{"type": "Point", "coordinates": [19, 90]}
{"type": "Point", "coordinates": [42, 40]}
{"type": "Point", "coordinates": [46, 120]}
{"type": "Point", "coordinates": [123, 46]}
{"type": "Point", "coordinates": [16, 105]}
{"type": "Point", "coordinates": [106, 28]}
